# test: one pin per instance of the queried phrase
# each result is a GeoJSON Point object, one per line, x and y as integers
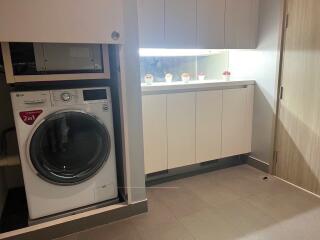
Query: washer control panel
{"type": "Point", "coordinates": [65, 97]}
{"type": "Point", "coordinates": [79, 96]}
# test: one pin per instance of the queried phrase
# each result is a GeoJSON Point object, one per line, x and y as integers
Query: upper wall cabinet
{"type": "Point", "coordinates": [241, 24]}
{"type": "Point", "coordinates": [68, 21]}
{"type": "Point", "coordinates": [210, 23]}
{"type": "Point", "coordinates": [180, 23]}
{"type": "Point", "coordinates": [151, 23]}
{"type": "Point", "coordinates": [167, 23]}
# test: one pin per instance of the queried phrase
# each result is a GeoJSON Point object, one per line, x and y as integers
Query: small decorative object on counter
{"type": "Point", "coordinates": [185, 77]}
{"type": "Point", "coordinates": [148, 79]}
{"type": "Point", "coordinates": [168, 77]}
{"type": "Point", "coordinates": [226, 75]}
{"type": "Point", "coordinates": [201, 76]}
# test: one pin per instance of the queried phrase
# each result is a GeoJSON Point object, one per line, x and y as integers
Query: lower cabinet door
{"type": "Point", "coordinates": [208, 125]}
{"type": "Point", "coordinates": [181, 113]}
{"type": "Point", "coordinates": [237, 121]}
{"type": "Point", "coordinates": [155, 133]}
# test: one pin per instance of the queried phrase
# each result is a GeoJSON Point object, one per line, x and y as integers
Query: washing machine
{"type": "Point", "coordinates": [67, 149]}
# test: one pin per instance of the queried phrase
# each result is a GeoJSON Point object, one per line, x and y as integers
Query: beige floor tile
{"type": "Point", "coordinates": [272, 232]}
{"type": "Point", "coordinates": [285, 205]}
{"type": "Point", "coordinates": [69, 237]}
{"type": "Point", "coordinates": [180, 201]}
{"type": "Point", "coordinates": [154, 218]}
{"type": "Point", "coordinates": [244, 216]}
{"type": "Point", "coordinates": [157, 215]}
{"type": "Point", "coordinates": [302, 226]}
{"type": "Point", "coordinates": [207, 225]}
{"type": "Point", "coordinates": [230, 204]}
{"type": "Point", "coordinates": [122, 230]}
{"type": "Point", "coordinates": [167, 231]}
{"type": "Point", "coordinates": [209, 191]}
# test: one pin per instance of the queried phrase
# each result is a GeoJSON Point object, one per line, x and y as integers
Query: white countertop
{"type": "Point", "coordinates": [193, 85]}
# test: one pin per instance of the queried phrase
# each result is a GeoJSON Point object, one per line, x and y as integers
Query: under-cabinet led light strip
{"type": "Point", "coordinates": [162, 52]}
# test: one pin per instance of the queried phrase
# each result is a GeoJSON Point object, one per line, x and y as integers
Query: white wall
{"type": "Point", "coordinates": [262, 65]}
{"type": "Point", "coordinates": [132, 105]}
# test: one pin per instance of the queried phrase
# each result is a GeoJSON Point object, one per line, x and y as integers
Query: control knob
{"type": "Point", "coordinates": [66, 97]}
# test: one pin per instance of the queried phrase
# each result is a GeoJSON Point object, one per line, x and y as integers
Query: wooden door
{"type": "Point", "coordinates": [181, 115]}
{"type": "Point", "coordinates": [154, 118]}
{"type": "Point", "coordinates": [151, 23]}
{"type": "Point", "coordinates": [241, 24]}
{"type": "Point", "coordinates": [181, 23]}
{"type": "Point", "coordinates": [208, 125]}
{"type": "Point", "coordinates": [210, 23]}
{"type": "Point", "coordinates": [298, 127]}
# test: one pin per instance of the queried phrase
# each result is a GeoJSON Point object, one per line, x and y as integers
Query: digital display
{"type": "Point", "coordinates": [94, 94]}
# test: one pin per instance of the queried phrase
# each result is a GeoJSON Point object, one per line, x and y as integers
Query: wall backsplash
{"type": "Point", "coordinates": [160, 66]}
{"type": "Point", "coordinates": [212, 66]}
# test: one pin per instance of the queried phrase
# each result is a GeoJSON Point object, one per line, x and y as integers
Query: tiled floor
{"type": "Point", "coordinates": [234, 203]}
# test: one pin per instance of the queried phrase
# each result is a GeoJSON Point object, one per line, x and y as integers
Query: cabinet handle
{"type": "Point", "coordinates": [115, 35]}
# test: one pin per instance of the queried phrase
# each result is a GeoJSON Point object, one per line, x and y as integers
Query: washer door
{"type": "Point", "coordinates": [69, 147]}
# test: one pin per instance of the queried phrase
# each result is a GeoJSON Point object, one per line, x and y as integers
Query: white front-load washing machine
{"type": "Point", "coordinates": [66, 142]}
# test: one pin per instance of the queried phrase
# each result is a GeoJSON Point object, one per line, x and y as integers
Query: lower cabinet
{"type": "Point", "coordinates": [182, 129]}
{"type": "Point", "coordinates": [181, 117]}
{"type": "Point", "coordinates": [208, 125]}
{"type": "Point", "coordinates": [155, 133]}
{"type": "Point", "coordinates": [237, 121]}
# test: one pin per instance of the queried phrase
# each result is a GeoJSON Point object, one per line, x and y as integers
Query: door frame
{"type": "Point", "coordinates": [273, 165]}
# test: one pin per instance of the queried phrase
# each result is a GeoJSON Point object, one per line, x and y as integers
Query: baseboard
{"type": "Point", "coordinates": [296, 186]}
{"type": "Point", "coordinates": [192, 170]}
{"type": "Point", "coordinates": [72, 212]}
{"type": "Point", "coordinates": [80, 222]}
{"type": "Point", "coordinates": [258, 164]}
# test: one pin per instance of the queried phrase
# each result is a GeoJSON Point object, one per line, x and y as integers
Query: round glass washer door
{"type": "Point", "coordinates": [69, 147]}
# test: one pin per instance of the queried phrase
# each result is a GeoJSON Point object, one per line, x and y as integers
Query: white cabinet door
{"type": "Point", "coordinates": [210, 23]}
{"type": "Point", "coordinates": [237, 121]}
{"type": "Point", "coordinates": [180, 23]}
{"type": "Point", "coordinates": [151, 23]}
{"type": "Point", "coordinates": [67, 21]}
{"type": "Point", "coordinates": [181, 114]}
{"type": "Point", "coordinates": [155, 133]}
{"type": "Point", "coordinates": [249, 108]}
{"type": "Point", "coordinates": [241, 24]}
{"type": "Point", "coordinates": [208, 125]}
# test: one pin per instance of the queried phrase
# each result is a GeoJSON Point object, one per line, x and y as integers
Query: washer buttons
{"type": "Point", "coordinates": [66, 97]}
